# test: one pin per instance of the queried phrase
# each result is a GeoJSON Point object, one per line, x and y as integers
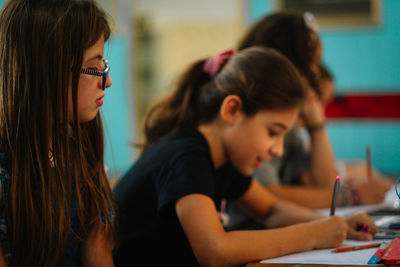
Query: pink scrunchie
{"type": "Point", "coordinates": [213, 64]}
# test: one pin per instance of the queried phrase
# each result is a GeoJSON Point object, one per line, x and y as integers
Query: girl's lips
{"type": "Point", "coordinates": [258, 163]}
{"type": "Point", "coordinates": [99, 101]}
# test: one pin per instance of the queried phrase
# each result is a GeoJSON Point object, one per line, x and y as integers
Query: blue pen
{"type": "Point", "coordinates": [334, 196]}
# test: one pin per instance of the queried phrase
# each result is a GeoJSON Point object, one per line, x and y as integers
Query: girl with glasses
{"type": "Point", "coordinates": [56, 207]}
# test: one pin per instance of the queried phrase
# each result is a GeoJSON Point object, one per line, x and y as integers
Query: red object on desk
{"type": "Point", "coordinates": [392, 255]}
{"type": "Point", "coordinates": [344, 249]}
{"type": "Point", "coordinates": [389, 254]}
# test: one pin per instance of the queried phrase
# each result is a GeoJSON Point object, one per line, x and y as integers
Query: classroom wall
{"type": "Point", "coordinates": [366, 60]}
{"type": "Point", "coordinates": [118, 111]}
{"type": "Point", "coordinates": [362, 60]}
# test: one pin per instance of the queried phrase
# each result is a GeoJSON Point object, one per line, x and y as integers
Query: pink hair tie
{"type": "Point", "coordinates": [214, 63]}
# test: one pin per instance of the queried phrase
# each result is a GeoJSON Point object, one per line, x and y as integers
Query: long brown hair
{"type": "Point", "coordinates": [263, 78]}
{"type": "Point", "coordinates": [41, 41]}
{"type": "Point", "coordinates": [290, 34]}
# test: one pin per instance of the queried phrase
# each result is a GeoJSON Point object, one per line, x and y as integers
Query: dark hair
{"type": "Point", "coordinates": [325, 73]}
{"type": "Point", "coordinates": [325, 81]}
{"type": "Point", "coordinates": [290, 34]}
{"type": "Point", "coordinates": [263, 79]}
{"type": "Point", "coordinates": [42, 43]}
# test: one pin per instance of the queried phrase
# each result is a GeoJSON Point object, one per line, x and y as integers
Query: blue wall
{"type": "Point", "coordinates": [366, 60]}
{"type": "Point", "coordinates": [362, 60]}
{"type": "Point", "coordinates": [116, 114]}
{"type": "Point", "coordinates": [259, 8]}
{"type": "Point", "coordinates": [350, 138]}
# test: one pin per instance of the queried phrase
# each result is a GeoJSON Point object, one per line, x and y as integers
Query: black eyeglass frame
{"type": "Point", "coordinates": [99, 73]}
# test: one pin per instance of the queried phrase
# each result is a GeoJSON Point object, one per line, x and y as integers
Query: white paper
{"type": "Point", "coordinates": [326, 256]}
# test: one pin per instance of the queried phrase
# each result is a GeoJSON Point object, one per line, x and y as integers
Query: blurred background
{"type": "Point", "coordinates": [155, 40]}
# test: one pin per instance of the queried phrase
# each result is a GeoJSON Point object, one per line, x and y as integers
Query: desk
{"type": "Point", "coordinates": [257, 264]}
{"type": "Point", "coordinates": [325, 257]}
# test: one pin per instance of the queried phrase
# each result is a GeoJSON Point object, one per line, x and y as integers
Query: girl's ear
{"type": "Point", "coordinates": [231, 108]}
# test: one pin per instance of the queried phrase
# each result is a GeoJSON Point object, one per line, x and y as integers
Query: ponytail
{"type": "Point", "coordinates": [261, 77]}
{"type": "Point", "coordinates": [178, 109]}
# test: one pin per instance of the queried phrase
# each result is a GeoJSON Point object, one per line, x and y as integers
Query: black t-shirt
{"type": "Point", "coordinates": [177, 165]}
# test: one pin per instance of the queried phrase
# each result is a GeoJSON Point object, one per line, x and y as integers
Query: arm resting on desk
{"type": "Point", "coordinates": [307, 196]}
{"type": "Point", "coordinates": [279, 212]}
{"type": "Point", "coordinates": [213, 246]}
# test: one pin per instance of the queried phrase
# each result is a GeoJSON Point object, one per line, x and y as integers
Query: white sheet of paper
{"type": "Point", "coordinates": [326, 256]}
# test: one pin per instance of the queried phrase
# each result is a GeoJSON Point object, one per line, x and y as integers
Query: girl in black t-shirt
{"type": "Point", "coordinates": [226, 115]}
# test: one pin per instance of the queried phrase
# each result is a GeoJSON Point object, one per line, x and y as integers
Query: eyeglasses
{"type": "Point", "coordinates": [99, 73]}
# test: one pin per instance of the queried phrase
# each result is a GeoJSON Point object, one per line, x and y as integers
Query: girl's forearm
{"type": "Point", "coordinates": [310, 197]}
{"type": "Point", "coordinates": [246, 246]}
{"type": "Point", "coordinates": [285, 213]}
{"type": "Point", "coordinates": [322, 169]}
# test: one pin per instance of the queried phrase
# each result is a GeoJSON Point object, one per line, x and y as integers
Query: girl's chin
{"type": "Point", "coordinates": [247, 172]}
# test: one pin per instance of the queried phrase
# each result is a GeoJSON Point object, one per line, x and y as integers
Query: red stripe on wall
{"type": "Point", "coordinates": [364, 106]}
{"type": "Point", "coordinates": [385, 106]}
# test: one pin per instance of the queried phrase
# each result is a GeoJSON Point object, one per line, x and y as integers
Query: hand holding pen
{"type": "Point", "coordinates": [361, 226]}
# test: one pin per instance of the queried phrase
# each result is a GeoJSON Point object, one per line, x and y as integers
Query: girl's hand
{"type": "Point", "coordinates": [372, 192]}
{"type": "Point", "coordinates": [361, 226]}
{"type": "Point", "coordinates": [313, 110]}
{"type": "Point", "coordinates": [330, 231]}
{"type": "Point", "coordinates": [356, 173]}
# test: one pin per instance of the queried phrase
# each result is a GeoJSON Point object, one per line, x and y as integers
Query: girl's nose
{"type": "Point", "coordinates": [277, 148]}
{"type": "Point", "coordinates": [109, 81]}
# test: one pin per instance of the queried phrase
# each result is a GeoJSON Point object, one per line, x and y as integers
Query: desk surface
{"type": "Point", "coordinates": [325, 258]}
{"type": "Point", "coordinates": [257, 264]}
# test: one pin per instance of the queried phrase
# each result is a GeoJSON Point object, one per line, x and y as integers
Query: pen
{"type": "Point", "coordinates": [334, 196]}
{"type": "Point", "coordinates": [344, 249]}
{"type": "Point", "coordinates": [369, 169]}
